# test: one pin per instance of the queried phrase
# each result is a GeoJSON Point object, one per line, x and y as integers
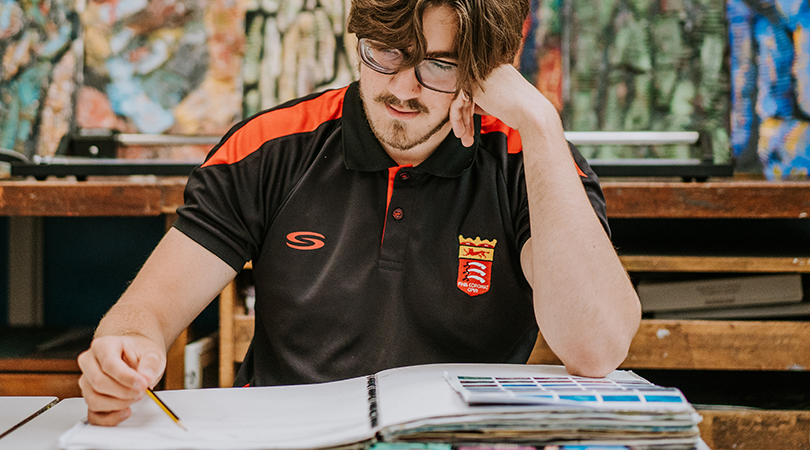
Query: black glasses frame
{"type": "Point", "coordinates": [361, 43]}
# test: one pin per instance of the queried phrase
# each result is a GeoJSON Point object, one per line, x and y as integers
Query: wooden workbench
{"type": "Point", "coordinates": [99, 197]}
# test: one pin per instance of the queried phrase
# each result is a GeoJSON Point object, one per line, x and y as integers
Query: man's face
{"type": "Point", "coordinates": [402, 113]}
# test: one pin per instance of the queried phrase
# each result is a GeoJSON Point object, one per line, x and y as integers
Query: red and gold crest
{"type": "Point", "coordinates": [475, 264]}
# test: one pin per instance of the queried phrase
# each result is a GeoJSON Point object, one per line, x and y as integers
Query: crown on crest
{"type": "Point", "coordinates": [477, 242]}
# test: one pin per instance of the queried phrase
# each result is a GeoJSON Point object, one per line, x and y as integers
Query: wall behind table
{"type": "Point", "coordinates": [89, 262]}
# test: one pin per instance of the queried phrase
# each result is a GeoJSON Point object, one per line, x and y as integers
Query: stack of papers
{"type": "Point", "coordinates": [448, 403]}
{"type": "Point", "coordinates": [622, 408]}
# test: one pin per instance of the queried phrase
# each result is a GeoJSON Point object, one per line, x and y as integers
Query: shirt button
{"type": "Point", "coordinates": [404, 176]}
{"type": "Point", "coordinates": [398, 213]}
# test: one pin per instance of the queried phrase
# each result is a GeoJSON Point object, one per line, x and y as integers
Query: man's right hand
{"type": "Point", "coordinates": [176, 283]}
{"type": "Point", "coordinates": [116, 371]}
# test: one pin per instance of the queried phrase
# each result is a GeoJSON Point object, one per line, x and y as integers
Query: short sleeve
{"type": "Point", "coordinates": [222, 213]}
{"type": "Point", "coordinates": [589, 181]}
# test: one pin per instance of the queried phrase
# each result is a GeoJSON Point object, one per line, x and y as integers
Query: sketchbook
{"type": "Point", "coordinates": [450, 403]}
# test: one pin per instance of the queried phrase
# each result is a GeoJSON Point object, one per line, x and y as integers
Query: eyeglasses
{"type": "Point", "coordinates": [434, 74]}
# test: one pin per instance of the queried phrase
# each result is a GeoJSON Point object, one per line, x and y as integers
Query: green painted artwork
{"type": "Point", "coordinates": [641, 65]}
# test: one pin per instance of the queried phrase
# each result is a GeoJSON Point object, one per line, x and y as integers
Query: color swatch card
{"type": "Point", "coordinates": [625, 393]}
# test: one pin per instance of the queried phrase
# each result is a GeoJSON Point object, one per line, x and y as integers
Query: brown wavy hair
{"type": "Point", "coordinates": [489, 33]}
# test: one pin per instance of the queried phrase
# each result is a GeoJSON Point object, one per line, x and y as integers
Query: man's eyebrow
{"type": "Point", "coordinates": [441, 55]}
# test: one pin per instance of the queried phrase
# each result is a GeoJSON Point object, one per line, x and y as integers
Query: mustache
{"type": "Point", "coordinates": [390, 99]}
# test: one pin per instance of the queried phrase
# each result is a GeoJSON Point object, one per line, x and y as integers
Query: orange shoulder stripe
{"type": "Point", "coordinates": [491, 124]}
{"type": "Point", "coordinates": [513, 143]}
{"type": "Point", "coordinates": [299, 118]}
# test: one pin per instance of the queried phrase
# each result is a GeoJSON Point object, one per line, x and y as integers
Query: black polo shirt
{"type": "Point", "coordinates": [361, 265]}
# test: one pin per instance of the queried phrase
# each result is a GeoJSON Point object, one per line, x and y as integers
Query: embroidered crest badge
{"type": "Point", "coordinates": [475, 264]}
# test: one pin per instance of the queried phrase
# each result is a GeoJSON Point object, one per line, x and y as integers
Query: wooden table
{"type": "Point", "coordinates": [97, 197]}
{"type": "Point", "coordinates": [692, 344]}
{"type": "Point", "coordinates": [711, 200]}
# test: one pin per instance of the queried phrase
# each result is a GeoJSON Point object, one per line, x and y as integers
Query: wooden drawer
{"type": "Point", "coordinates": [710, 345]}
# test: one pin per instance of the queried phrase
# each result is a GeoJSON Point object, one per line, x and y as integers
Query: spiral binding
{"type": "Point", "coordinates": [372, 399]}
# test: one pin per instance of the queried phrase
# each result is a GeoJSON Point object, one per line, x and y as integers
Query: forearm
{"type": "Point", "coordinates": [128, 317]}
{"type": "Point", "coordinates": [176, 283]}
{"type": "Point", "coordinates": [128, 353]}
{"type": "Point", "coordinates": [585, 304]}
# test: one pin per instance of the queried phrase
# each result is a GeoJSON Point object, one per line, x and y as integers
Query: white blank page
{"type": "Point", "coordinates": [282, 417]}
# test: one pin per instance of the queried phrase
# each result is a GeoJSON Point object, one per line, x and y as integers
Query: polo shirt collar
{"type": "Point", "coordinates": [363, 152]}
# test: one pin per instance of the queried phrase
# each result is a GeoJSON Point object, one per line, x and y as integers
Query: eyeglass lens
{"type": "Point", "coordinates": [434, 74]}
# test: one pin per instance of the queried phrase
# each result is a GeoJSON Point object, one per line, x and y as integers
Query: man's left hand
{"type": "Point", "coordinates": [505, 94]}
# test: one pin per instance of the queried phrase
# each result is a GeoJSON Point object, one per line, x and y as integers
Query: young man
{"type": "Point", "coordinates": [387, 223]}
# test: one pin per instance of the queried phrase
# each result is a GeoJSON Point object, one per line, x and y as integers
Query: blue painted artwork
{"type": "Point", "coordinates": [770, 79]}
{"type": "Point", "coordinates": [41, 57]}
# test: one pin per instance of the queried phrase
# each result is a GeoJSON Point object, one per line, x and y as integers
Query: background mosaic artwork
{"type": "Point", "coordinates": [294, 48]}
{"type": "Point", "coordinates": [639, 65]}
{"type": "Point", "coordinates": [736, 68]}
{"type": "Point", "coordinates": [162, 66]}
{"type": "Point", "coordinates": [41, 58]}
{"type": "Point", "coordinates": [541, 57]}
{"type": "Point", "coordinates": [770, 70]}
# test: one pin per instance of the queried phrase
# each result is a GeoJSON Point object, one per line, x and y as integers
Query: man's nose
{"type": "Point", "coordinates": [404, 84]}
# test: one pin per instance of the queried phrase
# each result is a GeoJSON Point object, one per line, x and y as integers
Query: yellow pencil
{"type": "Point", "coordinates": [165, 408]}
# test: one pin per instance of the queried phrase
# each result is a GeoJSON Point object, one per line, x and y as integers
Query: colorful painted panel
{"type": "Point", "coordinates": [41, 55]}
{"type": "Point", "coordinates": [635, 65]}
{"type": "Point", "coordinates": [294, 48]}
{"type": "Point", "coordinates": [162, 66]}
{"type": "Point", "coordinates": [541, 57]}
{"type": "Point", "coordinates": [770, 66]}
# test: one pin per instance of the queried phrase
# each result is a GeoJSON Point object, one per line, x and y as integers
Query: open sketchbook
{"type": "Point", "coordinates": [418, 403]}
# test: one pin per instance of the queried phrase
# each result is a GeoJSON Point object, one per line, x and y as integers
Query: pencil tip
{"type": "Point", "coordinates": [181, 425]}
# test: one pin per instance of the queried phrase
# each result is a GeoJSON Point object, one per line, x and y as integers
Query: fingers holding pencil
{"type": "Point", "coordinates": [116, 371]}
